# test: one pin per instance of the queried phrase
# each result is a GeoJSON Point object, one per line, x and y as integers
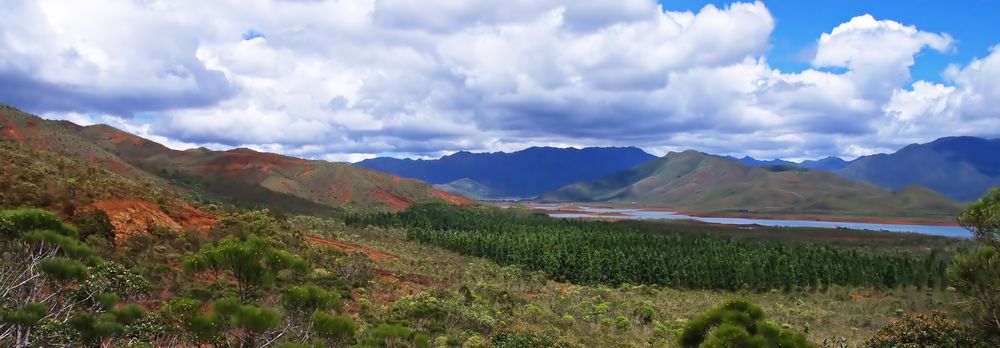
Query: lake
{"type": "Point", "coordinates": [589, 212]}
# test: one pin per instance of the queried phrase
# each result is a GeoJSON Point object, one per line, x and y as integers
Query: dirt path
{"type": "Point", "coordinates": [373, 254]}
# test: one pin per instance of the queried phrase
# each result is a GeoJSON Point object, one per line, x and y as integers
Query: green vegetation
{"type": "Point", "coordinates": [49, 180]}
{"type": "Point", "coordinates": [976, 274]}
{"type": "Point", "coordinates": [444, 276]}
{"type": "Point", "coordinates": [599, 252]}
{"type": "Point", "coordinates": [738, 323]}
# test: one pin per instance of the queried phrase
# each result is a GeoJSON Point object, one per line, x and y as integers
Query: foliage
{"type": "Point", "coordinates": [738, 323]}
{"type": "Point", "coordinates": [391, 335]}
{"type": "Point", "coordinates": [592, 252]}
{"type": "Point", "coordinates": [976, 274]}
{"type": "Point", "coordinates": [94, 223]}
{"type": "Point", "coordinates": [114, 278]}
{"type": "Point", "coordinates": [250, 261]}
{"type": "Point", "coordinates": [93, 328]}
{"type": "Point", "coordinates": [337, 330]}
{"type": "Point", "coordinates": [917, 330]}
{"type": "Point", "coordinates": [304, 299]}
{"type": "Point", "coordinates": [428, 312]}
{"type": "Point", "coordinates": [982, 218]}
{"type": "Point", "coordinates": [42, 259]}
{"type": "Point", "coordinates": [518, 338]}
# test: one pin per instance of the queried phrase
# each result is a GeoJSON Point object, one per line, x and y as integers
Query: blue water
{"type": "Point", "coordinates": [948, 231]}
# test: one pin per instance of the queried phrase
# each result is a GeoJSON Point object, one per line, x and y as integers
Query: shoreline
{"type": "Point", "coordinates": [574, 208]}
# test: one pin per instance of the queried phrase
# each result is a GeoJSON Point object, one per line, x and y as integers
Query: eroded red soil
{"type": "Point", "coordinates": [451, 198]}
{"type": "Point", "coordinates": [395, 202]}
{"type": "Point", "coordinates": [130, 217]}
{"type": "Point", "coordinates": [373, 254]}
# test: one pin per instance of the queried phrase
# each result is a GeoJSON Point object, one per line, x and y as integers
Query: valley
{"type": "Point", "coordinates": [242, 248]}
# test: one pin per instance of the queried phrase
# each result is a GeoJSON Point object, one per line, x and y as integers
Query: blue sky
{"type": "Point", "coordinates": [352, 79]}
{"type": "Point", "coordinates": [973, 23]}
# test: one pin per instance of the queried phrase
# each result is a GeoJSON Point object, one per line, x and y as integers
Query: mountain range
{"type": "Point", "coordinates": [521, 174]}
{"type": "Point", "coordinates": [704, 183]}
{"type": "Point", "coordinates": [962, 168]}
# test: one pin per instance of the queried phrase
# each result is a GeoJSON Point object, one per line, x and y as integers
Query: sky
{"type": "Point", "coordinates": [352, 79]}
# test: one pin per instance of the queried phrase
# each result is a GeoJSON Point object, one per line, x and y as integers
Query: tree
{"type": "Point", "coordinates": [982, 218]}
{"type": "Point", "coordinates": [976, 274]}
{"type": "Point", "coordinates": [738, 323]}
{"type": "Point", "coordinates": [250, 261]}
{"type": "Point", "coordinates": [301, 302]}
{"type": "Point", "coordinates": [42, 258]}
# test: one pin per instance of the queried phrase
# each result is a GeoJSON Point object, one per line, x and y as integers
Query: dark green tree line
{"type": "Point", "coordinates": [599, 252]}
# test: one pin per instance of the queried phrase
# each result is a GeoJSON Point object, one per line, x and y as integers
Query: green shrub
{"type": "Point", "coordinates": [94, 223]}
{"type": "Point", "coordinates": [738, 323]}
{"type": "Point", "coordinates": [334, 328]}
{"type": "Point", "coordinates": [520, 338]}
{"type": "Point", "coordinates": [390, 335]}
{"type": "Point", "coordinates": [915, 330]}
{"type": "Point", "coordinates": [310, 298]}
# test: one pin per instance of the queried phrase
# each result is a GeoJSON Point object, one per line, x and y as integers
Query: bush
{"type": "Point", "coordinates": [114, 278]}
{"type": "Point", "coordinates": [334, 328]}
{"type": "Point", "coordinates": [738, 323]}
{"type": "Point", "coordinates": [94, 223]}
{"type": "Point", "coordinates": [915, 330]}
{"type": "Point", "coordinates": [976, 274]}
{"type": "Point", "coordinates": [517, 338]}
{"type": "Point", "coordinates": [391, 335]}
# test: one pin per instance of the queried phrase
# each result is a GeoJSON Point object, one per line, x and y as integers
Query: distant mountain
{"type": "Point", "coordinates": [525, 173]}
{"type": "Point", "coordinates": [753, 162]}
{"type": "Point", "coordinates": [468, 188]}
{"type": "Point", "coordinates": [828, 163]}
{"type": "Point", "coordinates": [700, 182]}
{"type": "Point", "coordinates": [239, 176]}
{"type": "Point", "coordinates": [963, 168]}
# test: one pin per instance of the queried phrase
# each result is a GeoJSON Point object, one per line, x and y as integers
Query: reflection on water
{"type": "Point", "coordinates": [589, 212]}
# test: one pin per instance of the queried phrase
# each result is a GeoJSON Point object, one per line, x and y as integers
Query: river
{"type": "Point", "coordinates": [612, 213]}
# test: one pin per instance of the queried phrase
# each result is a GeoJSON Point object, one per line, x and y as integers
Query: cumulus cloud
{"type": "Point", "coordinates": [968, 104]}
{"type": "Point", "coordinates": [349, 79]}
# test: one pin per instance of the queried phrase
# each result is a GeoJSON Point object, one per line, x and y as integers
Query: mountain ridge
{"type": "Point", "coordinates": [961, 167]}
{"type": "Point", "coordinates": [524, 173]}
{"type": "Point", "coordinates": [700, 182]}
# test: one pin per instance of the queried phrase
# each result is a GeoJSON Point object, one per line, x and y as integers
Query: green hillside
{"type": "Point", "coordinates": [699, 182]}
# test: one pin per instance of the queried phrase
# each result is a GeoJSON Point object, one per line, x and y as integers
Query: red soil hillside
{"type": "Point", "coordinates": [241, 176]}
{"type": "Point", "coordinates": [131, 217]}
{"type": "Point", "coordinates": [63, 137]}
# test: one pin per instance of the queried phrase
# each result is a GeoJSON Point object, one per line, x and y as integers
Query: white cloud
{"type": "Point", "coordinates": [352, 78]}
{"type": "Point", "coordinates": [879, 53]}
{"type": "Point", "coordinates": [968, 105]}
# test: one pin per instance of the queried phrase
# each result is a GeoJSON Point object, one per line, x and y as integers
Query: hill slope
{"type": "Point", "coordinates": [695, 181]}
{"type": "Point", "coordinates": [963, 168]}
{"type": "Point", "coordinates": [526, 173]}
{"type": "Point", "coordinates": [241, 176]}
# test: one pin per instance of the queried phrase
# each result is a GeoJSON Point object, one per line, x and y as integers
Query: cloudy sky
{"type": "Point", "coordinates": [350, 79]}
